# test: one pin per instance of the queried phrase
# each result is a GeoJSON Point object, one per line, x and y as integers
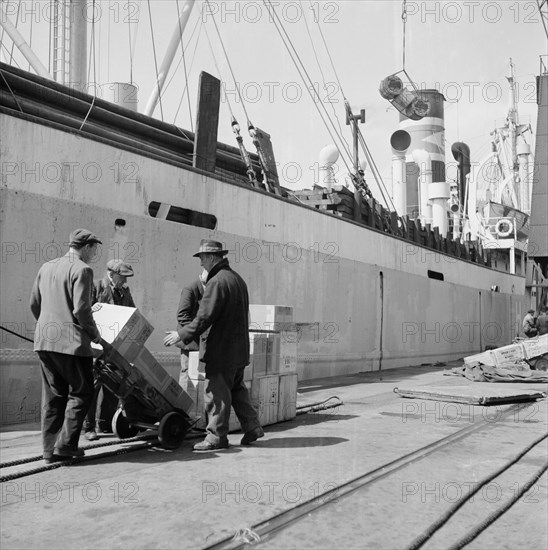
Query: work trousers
{"type": "Point", "coordinates": [67, 391]}
{"type": "Point", "coordinates": [102, 409]}
{"type": "Point", "coordinates": [222, 391]}
{"type": "Point", "coordinates": [183, 376]}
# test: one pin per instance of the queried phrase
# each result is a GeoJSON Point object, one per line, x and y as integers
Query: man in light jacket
{"type": "Point", "coordinates": [61, 304]}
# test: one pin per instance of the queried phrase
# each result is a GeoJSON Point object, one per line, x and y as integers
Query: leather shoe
{"type": "Point", "coordinates": [208, 446]}
{"type": "Point", "coordinates": [91, 436]}
{"type": "Point", "coordinates": [67, 453]}
{"type": "Point", "coordinates": [252, 435]}
{"type": "Point", "coordinates": [55, 458]}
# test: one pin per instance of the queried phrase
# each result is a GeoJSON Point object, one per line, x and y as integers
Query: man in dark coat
{"type": "Point", "coordinates": [224, 310]}
{"type": "Point", "coordinates": [111, 289]}
{"type": "Point", "coordinates": [189, 303]}
{"type": "Point", "coordinates": [61, 304]}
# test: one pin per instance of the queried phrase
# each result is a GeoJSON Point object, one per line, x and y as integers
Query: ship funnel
{"type": "Point", "coordinates": [328, 156]}
{"type": "Point", "coordinates": [461, 153]}
{"type": "Point", "coordinates": [427, 134]}
{"type": "Point", "coordinates": [424, 162]}
{"type": "Point", "coordinates": [400, 142]}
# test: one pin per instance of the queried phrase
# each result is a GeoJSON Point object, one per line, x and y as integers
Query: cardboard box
{"type": "Point", "coordinates": [485, 358]}
{"type": "Point", "coordinates": [248, 373]}
{"type": "Point", "coordinates": [264, 397]}
{"type": "Point", "coordinates": [273, 353]}
{"type": "Point", "coordinates": [153, 372]}
{"type": "Point", "coordinates": [196, 393]}
{"type": "Point", "coordinates": [196, 368]}
{"type": "Point", "coordinates": [287, 397]}
{"type": "Point", "coordinates": [283, 356]}
{"type": "Point", "coordinates": [288, 353]}
{"type": "Point", "coordinates": [508, 354]}
{"type": "Point", "coordinates": [270, 317]}
{"type": "Point", "coordinates": [178, 397]}
{"type": "Point", "coordinates": [534, 347]}
{"type": "Point", "coordinates": [258, 351]}
{"type": "Point", "coordinates": [124, 328]}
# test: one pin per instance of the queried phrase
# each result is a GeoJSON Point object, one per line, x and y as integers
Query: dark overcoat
{"type": "Point", "coordinates": [224, 309]}
{"type": "Point", "coordinates": [104, 293]}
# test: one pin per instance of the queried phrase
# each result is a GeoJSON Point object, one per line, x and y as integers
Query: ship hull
{"type": "Point", "coordinates": [363, 300]}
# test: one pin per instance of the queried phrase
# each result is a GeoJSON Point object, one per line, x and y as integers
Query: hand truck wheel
{"type": "Point", "coordinates": [172, 430]}
{"type": "Point", "coordinates": [121, 427]}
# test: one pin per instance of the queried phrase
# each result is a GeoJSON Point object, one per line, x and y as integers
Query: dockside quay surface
{"type": "Point", "coordinates": [377, 471]}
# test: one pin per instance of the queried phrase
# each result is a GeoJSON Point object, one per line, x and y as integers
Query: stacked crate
{"type": "Point", "coordinates": [127, 330]}
{"type": "Point", "coordinates": [271, 376]}
{"type": "Point", "coordinates": [275, 393]}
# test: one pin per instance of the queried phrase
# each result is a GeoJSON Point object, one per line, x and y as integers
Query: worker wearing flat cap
{"type": "Point", "coordinates": [111, 289]}
{"type": "Point", "coordinates": [61, 304]}
{"type": "Point", "coordinates": [224, 348]}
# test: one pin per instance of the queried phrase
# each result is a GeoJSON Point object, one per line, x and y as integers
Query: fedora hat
{"type": "Point", "coordinates": [210, 247]}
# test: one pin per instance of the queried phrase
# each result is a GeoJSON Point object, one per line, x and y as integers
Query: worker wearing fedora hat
{"type": "Point", "coordinates": [222, 323]}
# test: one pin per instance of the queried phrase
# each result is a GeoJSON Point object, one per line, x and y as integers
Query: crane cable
{"type": "Point", "coordinates": [310, 88]}
{"type": "Point", "coordinates": [404, 21]}
{"type": "Point", "coordinates": [155, 61]}
{"type": "Point", "coordinates": [228, 62]}
{"type": "Point", "coordinates": [185, 91]}
{"type": "Point", "coordinates": [321, 71]}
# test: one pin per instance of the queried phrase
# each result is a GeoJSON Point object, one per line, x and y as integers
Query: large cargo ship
{"type": "Point", "coordinates": [370, 289]}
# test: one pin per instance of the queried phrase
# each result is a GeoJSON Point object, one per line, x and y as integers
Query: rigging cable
{"type": "Point", "coordinates": [186, 90]}
{"type": "Point", "coordinates": [235, 126]}
{"type": "Point", "coordinates": [155, 61]}
{"type": "Point", "coordinates": [228, 61]}
{"type": "Point", "coordinates": [311, 89]}
{"type": "Point", "coordinates": [16, 23]}
{"type": "Point", "coordinates": [133, 39]}
{"type": "Point", "coordinates": [404, 21]}
{"type": "Point", "coordinates": [321, 71]}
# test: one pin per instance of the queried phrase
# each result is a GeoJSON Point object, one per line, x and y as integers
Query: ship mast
{"type": "Point", "coordinates": [70, 43]}
{"type": "Point", "coordinates": [514, 155]}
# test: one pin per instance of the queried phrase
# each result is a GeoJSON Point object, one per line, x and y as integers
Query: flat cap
{"type": "Point", "coordinates": [120, 267]}
{"type": "Point", "coordinates": [81, 237]}
{"type": "Point", "coordinates": [210, 247]}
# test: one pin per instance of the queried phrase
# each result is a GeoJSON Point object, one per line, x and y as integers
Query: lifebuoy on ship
{"type": "Point", "coordinates": [504, 227]}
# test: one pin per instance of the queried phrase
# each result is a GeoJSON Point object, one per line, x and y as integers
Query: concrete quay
{"type": "Point", "coordinates": [154, 498]}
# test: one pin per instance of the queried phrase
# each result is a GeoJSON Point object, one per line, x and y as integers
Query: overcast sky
{"type": "Point", "coordinates": [461, 48]}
